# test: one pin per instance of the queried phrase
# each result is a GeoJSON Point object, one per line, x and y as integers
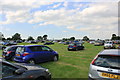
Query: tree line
{"type": "Point", "coordinates": [17, 36]}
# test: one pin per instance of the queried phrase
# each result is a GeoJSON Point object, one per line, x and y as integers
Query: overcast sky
{"type": "Point", "coordinates": [63, 19]}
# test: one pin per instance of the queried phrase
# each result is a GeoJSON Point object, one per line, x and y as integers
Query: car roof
{"type": "Point", "coordinates": [31, 45]}
{"type": "Point", "coordinates": [110, 52]}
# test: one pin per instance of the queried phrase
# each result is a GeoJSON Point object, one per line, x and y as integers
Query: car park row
{"type": "Point", "coordinates": [104, 66]}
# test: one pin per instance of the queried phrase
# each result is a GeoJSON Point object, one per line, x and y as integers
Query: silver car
{"type": "Point", "coordinates": [105, 66]}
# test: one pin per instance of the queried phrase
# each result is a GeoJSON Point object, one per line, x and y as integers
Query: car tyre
{"type": "Point", "coordinates": [40, 78]}
{"type": "Point", "coordinates": [68, 49]}
{"type": "Point", "coordinates": [12, 58]}
{"type": "Point", "coordinates": [55, 58]}
{"type": "Point", "coordinates": [76, 49]}
{"type": "Point", "coordinates": [31, 61]}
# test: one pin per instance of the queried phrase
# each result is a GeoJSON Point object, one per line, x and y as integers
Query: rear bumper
{"type": "Point", "coordinates": [20, 60]}
{"type": "Point", "coordinates": [108, 47]}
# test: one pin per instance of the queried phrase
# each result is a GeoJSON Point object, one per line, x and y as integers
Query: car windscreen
{"type": "Point", "coordinates": [20, 50]}
{"type": "Point", "coordinates": [108, 61]}
{"type": "Point", "coordinates": [71, 44]}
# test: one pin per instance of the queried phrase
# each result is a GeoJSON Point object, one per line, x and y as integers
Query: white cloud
{"type": "Point", "coordinates": [3, 28]}
{"type": "Point", "coordinates": [55, 6]}
{"type": "Point", "coordinates": [19, 10]}
{"type": "Point", "coordinates": [65, 31]}
{"type": "Point", "coordinates": [97, 18]}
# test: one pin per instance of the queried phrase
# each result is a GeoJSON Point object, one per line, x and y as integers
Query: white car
{"type": "Point", "coordinates": [109, 45]}
{"type": "Point", "coordinates": [105, 66]}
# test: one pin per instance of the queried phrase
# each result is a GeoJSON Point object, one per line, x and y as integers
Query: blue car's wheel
{"type": "Point", "coordinates": [31, 61]}
{"type": "Point", "coordinates": [55, 58]}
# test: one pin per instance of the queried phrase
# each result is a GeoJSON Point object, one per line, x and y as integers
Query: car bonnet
{"type": "Point", "coordinates": [30, 66]}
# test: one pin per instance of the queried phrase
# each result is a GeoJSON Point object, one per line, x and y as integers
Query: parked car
{"type": "Point", "coordinates": [75, 46]}
{"type": "Point", "coordinates": [2, 47]}
{"type": "Point", "coordinates": [61, 42]}
{"type": "Point", "coordinates": [98, 43]}
{"type": "Point", "coordinates": [92, 42]}
{"type": "Point", "coordinates": [105, 66]}
{"type": "Point", "coordinates": [118, 47]}
{"type": "Point", "coordinates": [34, 42]}
{"type": "Point", "coordinates": [18, 71]}
{"type": "Point", "coordinates": [109, 45]}
{"type": "Point", "coordinates": [66, 43]}
{"type": "Point", "coordinates": [10, 43]}
{"type": "Point", "coordinates": [35, 54]}
{"type": "Point", "coordinates": [9, 52]}
{"type": "Point", "coordinates": [1, 42]}
{"type": "Point", "coordinates": [48, 43]}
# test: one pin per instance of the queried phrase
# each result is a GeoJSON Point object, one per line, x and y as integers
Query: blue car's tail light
{"type": "Point", "coordinates": [25, 54]}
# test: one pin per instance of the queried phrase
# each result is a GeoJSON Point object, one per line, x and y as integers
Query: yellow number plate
{"type": "Point", "coordinates": [110, 75]}
{"type": "Point", "coordinates": [17, 54]}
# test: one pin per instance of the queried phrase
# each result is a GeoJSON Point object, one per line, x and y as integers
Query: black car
{"type": "Point", "coordinates": [48, 43]}
{"type": "Point", "coordinates": [19, 71]}
{"type": "Point", "coordinates": [75, 46]}
{"type": "Point", "coordinates": [9, 52]}
{"type": "Point", "coordinates": [2, 47]}
{"type": "Point", "coordinates": [66, 43]}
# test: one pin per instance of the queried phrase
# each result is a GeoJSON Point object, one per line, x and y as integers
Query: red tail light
{"type": "Point", "coordinates": [9, 52]}
{"type": "Point", "coordinates": [25, 54]}
{"type": "Point", "coordinates": [74, 46]}
{"type": "Point", "coordinates": [93, 61]}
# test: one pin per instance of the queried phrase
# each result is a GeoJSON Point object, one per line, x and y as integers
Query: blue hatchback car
{"type": "Point", "coordinates": [35, 54]}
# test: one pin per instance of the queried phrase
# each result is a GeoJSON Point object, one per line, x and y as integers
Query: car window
{"type": "Point", "coordinates": [108, 61]}
{"type": "Point", "coordinates": [20, 50]}
{"type": "Point", "coordinates": [46, 49]}
{"type": "Point", "coordinates": [35, 48]}
{"type": "Point", "coordinates": [14, 48]}
{"type": "Point", "coordinates": [7, 70]}
{"type": "Point", "coordinates": [79, 44]}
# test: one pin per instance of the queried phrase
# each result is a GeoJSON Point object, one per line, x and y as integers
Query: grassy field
{"type": "Point", "coordinates": [71, 64]}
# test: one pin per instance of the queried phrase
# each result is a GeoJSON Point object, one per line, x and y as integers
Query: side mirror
{"type": "Point", "coordinates": [19, 71]}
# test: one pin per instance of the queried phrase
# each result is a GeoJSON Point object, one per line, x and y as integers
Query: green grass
{"type": "Point", "coordinates": [71, 64]}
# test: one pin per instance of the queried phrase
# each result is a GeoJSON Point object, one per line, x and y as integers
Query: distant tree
{"type": "Point", "coordinates": [16, 36]}
{"type": "Point", "coordinates": [85, 38]}
{"type": "Point", "coordinates": [1, 36]}
{"type": "Point", "coordinates": [45, 37]}
{"type": "Point", "coordinates": [23, 40]}
{"type": "Point", "coordinates": [3, 39]}
{"type": "Point", "coordinates": [115, 37]}
{"type": "Point", "coordinates": [30, 38]}
{"type": "Point", "coordinates": [9, 38]}
{"type": "Point", "coordinates": [39, 38]}
{"type": "Point", "coordinates": [65, 39]}
{"type": "Point", "coordinates": [72, 38]}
